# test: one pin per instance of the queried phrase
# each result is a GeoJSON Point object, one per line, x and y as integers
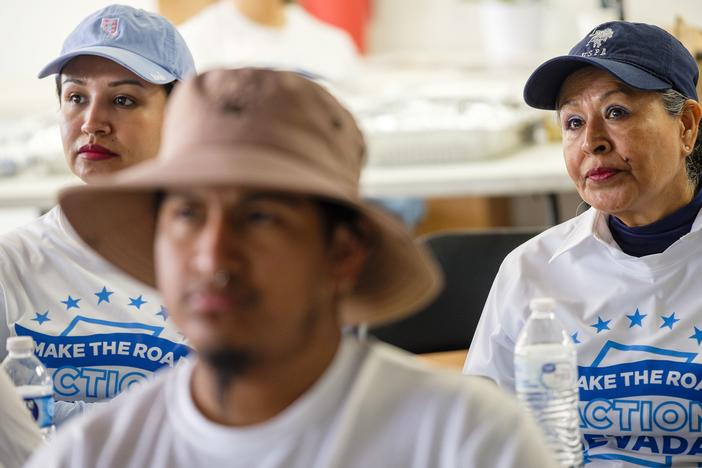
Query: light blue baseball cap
{"type": "Point", "coordinates": [144, 43]}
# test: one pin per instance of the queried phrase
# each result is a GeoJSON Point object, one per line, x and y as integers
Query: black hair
{"type": "Point", "coordinates": [335, 214]}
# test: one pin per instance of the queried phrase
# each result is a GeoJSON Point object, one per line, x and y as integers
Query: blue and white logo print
{"type": "Point", "coordinates": [95, 358]}
{"type": "Point", "coordinates": [642, 404]}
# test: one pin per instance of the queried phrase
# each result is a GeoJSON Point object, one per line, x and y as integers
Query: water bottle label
{"type": "Point", "coordinates": [550, 375]}
{"type": "Point", "coordinates": [42, 409]}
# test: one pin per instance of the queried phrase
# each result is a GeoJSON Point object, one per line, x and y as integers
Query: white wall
{"type": "Point", "coordinates": [454, 25]}
{"type": "Point", "coordinates": [31, 33]}
{"type": "Point", "coordinates": [663, 13]}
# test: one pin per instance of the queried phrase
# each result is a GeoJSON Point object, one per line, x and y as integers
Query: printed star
{"type": "Point", "coordinates": [636, 318]}
{"type": "Point", "coordinates": [575, 338]}
{"type": "Point", "coordinates": [104, 295]}
{"type": "Point", "coordinates": [70, 303]}
{"type": "Point", "coordinates": [41, 318]}
{"type": "Point", "coordinates": [137, 302]}
{"type": "Point", "coordinates": [697, 336]}
{"type": "Point", "coordinates": [163, 313]}
{"type": "Point", "coordinates": [669, 321]}
{"type": "Point", "coordinates": [601, 325]}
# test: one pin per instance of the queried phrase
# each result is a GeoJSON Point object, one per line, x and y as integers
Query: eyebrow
{"type": "Point", "coordinates": [620, 89]}
{"type": "Point", "coordinates": [111, 84]}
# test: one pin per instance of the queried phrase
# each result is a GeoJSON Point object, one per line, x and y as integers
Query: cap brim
{"type": "Point", "coordinates": [137, 64]}
{"type": "Point", "coordinates": [542, 87]}
{"type": "Point", "coordinates": [117, 217]}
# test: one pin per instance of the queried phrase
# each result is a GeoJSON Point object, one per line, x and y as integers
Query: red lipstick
{"type": "Point", "coordinates": [96, 153]}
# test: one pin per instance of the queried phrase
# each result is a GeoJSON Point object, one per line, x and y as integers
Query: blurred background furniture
{"type": "Point", "coordinates": [470, 260]}
{"type": "Point", "coordinates": [452, 360]}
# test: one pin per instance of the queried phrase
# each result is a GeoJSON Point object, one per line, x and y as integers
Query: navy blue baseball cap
{"type": "Point", "coordinates": [145, 43]}
{"type": "Point", "coordinates": [640, 55]}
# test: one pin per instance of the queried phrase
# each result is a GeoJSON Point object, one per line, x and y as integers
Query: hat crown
{"type": "Point", "coordinates": [121, 28]}
{"type": "Point", "coordinates": [263, 130]}
{"type": "Point", "coordinates": [255, 108]}
{"type": "Point", "coordinates": [640, 55]}
{"type": "Point", "coordinates": [646, 46]}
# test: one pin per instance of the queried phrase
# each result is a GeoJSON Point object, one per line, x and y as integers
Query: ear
{"type": "Point", "coordinates": [348, 254]}
{"type": "Point", "coordinates": [690, 120]}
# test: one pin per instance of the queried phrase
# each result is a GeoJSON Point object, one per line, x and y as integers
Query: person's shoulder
{"type": "Point", "coordinates": [32, 230]}
{"type": "Point", "coordinates": [142, 398]}
{"type": "Point", "coordinates": [467, 411]}
{"type": "Point", "coordinates": [114, 425]}
{"type": "Point", "coordinates": [544, 245]}
{"type": "Point", "coordinates": [432, 380]}
{"type": "Point", "coordinates": [21, 244]}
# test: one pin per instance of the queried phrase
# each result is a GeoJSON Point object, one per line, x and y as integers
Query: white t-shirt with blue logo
{"type": "Point", "coordinates": [637, 326]}
{"type": "Point", "coordinates": [374, 407]}
{"type": "Point", "coordinates": [98, 330]}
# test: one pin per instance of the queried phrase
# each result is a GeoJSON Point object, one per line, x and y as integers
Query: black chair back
{"type": "Point", "coordinates": [470, 260]}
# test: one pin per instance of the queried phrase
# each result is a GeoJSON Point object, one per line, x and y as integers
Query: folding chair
{"type": "Point", "coordinates": [469, 260]}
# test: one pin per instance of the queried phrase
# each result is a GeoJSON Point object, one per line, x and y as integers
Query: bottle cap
{"type": "Point", "coordinates": [542, 304]}
{"type": "Point", "coordinates": [20, 343]}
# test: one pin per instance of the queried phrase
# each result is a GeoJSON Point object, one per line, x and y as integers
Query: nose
{"type": "Point", "coordinates": [595, 139]}
{"type": "Point", "coordinates": [96, 120]}
{"type": "Point", "coordinates": [216, 248]}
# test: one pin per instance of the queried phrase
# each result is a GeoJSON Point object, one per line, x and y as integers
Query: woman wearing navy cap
{"type": "Point", "coordinates": [97, 330]}
{"type": "Point", "coordinates": [626, 274]}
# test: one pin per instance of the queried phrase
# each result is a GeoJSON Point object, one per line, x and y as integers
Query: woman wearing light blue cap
{"type": "Point", "coordinates": [626, 273]}
{"type": "Point", "coordinates": [113, 76]}
{"type": "Point", "coordinates": [97, 330]}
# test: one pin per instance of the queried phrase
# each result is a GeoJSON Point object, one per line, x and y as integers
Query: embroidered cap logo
{"type": "Point", "coordinates": [110, 26]}
{"type": "Point", "coordinates": [597, 38]}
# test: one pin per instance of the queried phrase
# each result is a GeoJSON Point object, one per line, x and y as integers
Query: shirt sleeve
{"type": "Point", "coordinates": [19, 434]}
{"type": "Point", "coordinates": [4, 327]}
{"type": "Point", "coordinates": [66, 410]}
{"type": "Point", "coordinates": [491, 353]}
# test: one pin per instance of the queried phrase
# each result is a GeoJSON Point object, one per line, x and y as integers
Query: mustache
{"type": "Point", "coordinates": [234, 286]}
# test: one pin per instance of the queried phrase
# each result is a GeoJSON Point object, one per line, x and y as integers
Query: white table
{"type": "Point", "coordinates": [33, 190]}
{"type": "Point", "coordinates": [537, 169]}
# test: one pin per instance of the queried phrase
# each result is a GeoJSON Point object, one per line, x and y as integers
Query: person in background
{"type": "Point", "coordinates": [19, 434]}
{"type": "Point", "coordinates": [282, 34]}
{"type": "Point", "coordinates": [626, 273]}
{"type": "Point", "coordinates": [269, 33]}
{"type": "Point", "coordinates": [262, 250]}
{"type": "Point", "coordinates": [97, 330]}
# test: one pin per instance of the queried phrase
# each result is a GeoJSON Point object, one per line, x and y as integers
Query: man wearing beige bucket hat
{"type": "Point", "coordinates": [250, 224]}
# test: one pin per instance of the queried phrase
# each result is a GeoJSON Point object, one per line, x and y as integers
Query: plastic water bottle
{"type": "Point", "coordinates": [32, 381]}
{"type": "Point", "coordinates": [546, 374]}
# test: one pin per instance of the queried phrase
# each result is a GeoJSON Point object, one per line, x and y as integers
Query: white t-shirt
{"type": "Point", "coordinates": [220, 36]}
{"type": "Point", "coordinates": [637, 326]}
{"type": "Point", "coordinates": [375, 406]}
{"type": "Point", "coordinates": [94, 327]}
{"type": "Point", "coordinates": [19, 434]}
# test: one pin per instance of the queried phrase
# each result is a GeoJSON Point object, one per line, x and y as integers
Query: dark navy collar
{"type": "Point", "coordinates": [639, 241]}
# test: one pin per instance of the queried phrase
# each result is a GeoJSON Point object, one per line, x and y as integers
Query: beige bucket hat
{"type": "Point", "coordinates": [256, 128]}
